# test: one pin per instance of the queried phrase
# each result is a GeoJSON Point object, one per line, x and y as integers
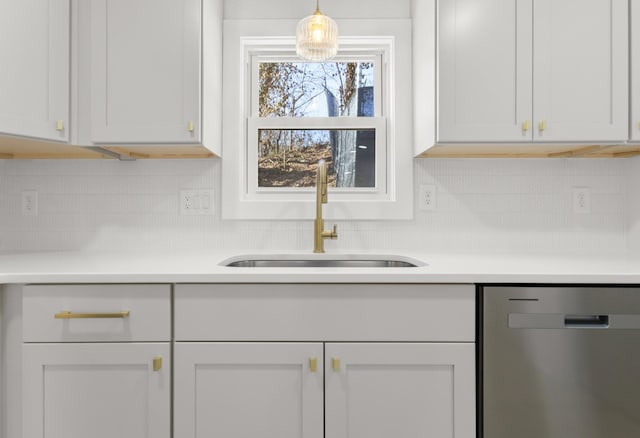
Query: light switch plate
{"type": "Point", "coordinates": [197, 202]}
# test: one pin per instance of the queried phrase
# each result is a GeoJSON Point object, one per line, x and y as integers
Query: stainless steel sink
{"type": "Point", "coordinates": [301, 262]}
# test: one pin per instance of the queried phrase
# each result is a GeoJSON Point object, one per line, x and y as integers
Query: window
{"type": "Point", "coordinates": [302, 112]}
{"type": "Point", "coordinates": [288, 113]}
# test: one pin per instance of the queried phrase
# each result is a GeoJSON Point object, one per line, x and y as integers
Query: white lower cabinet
{"type": "Point", "coordinates": [248, 360]}
{"type": "Point", "coordinates": [370, 390]}
{"type": "Point", "coordinates": [312, 368]}
{"type": "Point", "coordinates": [399, 390]}
{"type": "Point", "coordinates": [96, 390]}
{"type": "Point", "coordinates": [248, 390]}
{"type": "Point", "coordinates": [96, 361]}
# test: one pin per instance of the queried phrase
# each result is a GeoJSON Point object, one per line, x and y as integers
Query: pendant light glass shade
{"type": "Point", "coordinates": [317, 37]}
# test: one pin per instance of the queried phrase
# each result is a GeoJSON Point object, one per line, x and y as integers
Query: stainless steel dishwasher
{"type": "Point", "coordinates": [559, 362]}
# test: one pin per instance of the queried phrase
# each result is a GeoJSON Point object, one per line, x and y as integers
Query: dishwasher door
{"type": "Point", "coordinates": [560, 362]}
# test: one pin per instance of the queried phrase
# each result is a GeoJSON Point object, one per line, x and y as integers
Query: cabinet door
{"type": "Point", "coordinates": [239, 390]}
{"type": "Point", "coordinates": [484, 77]}
{"type": "Point", "coordinates": [635, 70]}
{"type": "Point", "coordinates": [400, 390]}
{"type": "Point", "coordinates": [34, 77]}
{"type": "Point", "coordinates": [145, 71]}
{"type": "Point", "coordinates": [96, 390]}
{"type": "Point", "coordinates": [580, 70]}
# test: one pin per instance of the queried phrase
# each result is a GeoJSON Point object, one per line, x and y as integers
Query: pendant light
{"type": "Point", "coordinates": [317, 37]}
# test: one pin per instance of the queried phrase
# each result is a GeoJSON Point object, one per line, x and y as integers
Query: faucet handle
{"type": "Point", "coordinates": [330, 234]}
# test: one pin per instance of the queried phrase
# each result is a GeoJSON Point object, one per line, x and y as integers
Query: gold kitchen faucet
{"type": "Point", "coordinates": [319, 233]}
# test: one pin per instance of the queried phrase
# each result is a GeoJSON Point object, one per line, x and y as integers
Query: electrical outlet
{"type": "Point", "coordinates": [196, 202]}
{"type": "Point", "coordinates": [30, 203]}
{"type": "Point", "coordinates": [581, 200]}
{"type": "Point", "coordinates": [427, 197]}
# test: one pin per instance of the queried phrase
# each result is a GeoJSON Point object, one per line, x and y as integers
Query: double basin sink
{"type": "Point", "coordinates": [321, 261]}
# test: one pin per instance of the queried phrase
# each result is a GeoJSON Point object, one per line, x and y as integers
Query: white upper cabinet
{"type": "Point", "coordinates": [580, 63]}
{"type": "Point", "coordinates": [34, 76]}
{"type": "Point", "coordinates": [522, 71]}
{"type": "Point", "coordinates": [485, 62]}
{"type": "Point", "coordinates": [145, 71]}
{"type": "Point", "coordinates": [111, 73]}
{"type": "Point", "coordinates": [635, 71]}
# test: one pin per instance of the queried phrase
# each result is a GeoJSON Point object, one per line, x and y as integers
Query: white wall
{"type": "Point", "coordinates": [296, 9]}
{"type": "Point", "coordinates": [496, 205]}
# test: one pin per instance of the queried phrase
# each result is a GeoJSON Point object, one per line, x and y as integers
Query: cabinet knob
{"type": "Point", "coordinates": [542, 125]}
{"type": "Point", "coordinates": [157, 363]}
{"type": "Point", "coordinates": [59, 125]}
{"type": "Point", "coordinates": [526, 126]}
{"type": "Point", "coordinates": [335, 364]}
{"type": "Point", "coordinates": [190, 126]}
{"type": "Point", "coordinates": [313, 364]}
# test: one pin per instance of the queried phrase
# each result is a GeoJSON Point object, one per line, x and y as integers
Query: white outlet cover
{"type": "Point", "coordinates": [581, 200]}
{"type": "Point", "coordinates": [427, 197]}
{"type": "Point", "coordinates": [30, 203]}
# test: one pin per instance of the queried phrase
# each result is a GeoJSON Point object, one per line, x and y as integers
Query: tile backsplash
{"type": "Point", "coordinates": [496, 205]}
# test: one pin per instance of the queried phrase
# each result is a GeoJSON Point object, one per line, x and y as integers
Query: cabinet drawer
{"type": "Point", "coordinates": [78, 313]}
{"type": "Point", "coordinates": [327, 312]}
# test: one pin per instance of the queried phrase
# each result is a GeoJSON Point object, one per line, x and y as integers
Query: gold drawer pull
{"type": "Point", "coordinates": [525, 126]}
{"type": "Point", "coordinates": [67, 314]}
{"type": "Point", "coordinates": [157, 363]}
{"type": "Point", "coordinates": [313, 364]}
{"type": "Point", "coordinates": [335, 364]}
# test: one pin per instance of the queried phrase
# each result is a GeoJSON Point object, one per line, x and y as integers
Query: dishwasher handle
{"type": "Point", "coordinates": [586, 321]}
{"type": "Point", "coordinates": [570, 321]}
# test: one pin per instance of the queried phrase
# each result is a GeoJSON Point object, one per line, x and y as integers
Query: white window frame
{"type": "Point", "coordinates": [283, 51]}
{"type": "Point", "coordinates": [387, 43]}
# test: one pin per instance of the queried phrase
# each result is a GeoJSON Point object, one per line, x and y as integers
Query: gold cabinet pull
{"type": "Point", "coordinates": [542, 125]}
{"type": "Point", "coordinates": [313, 364]}
{"type": "Point", "coordinates": [157, 363]}
{"type": "Point", "coordinates": [335, 364]}
{"type": "Point", "coordinates": [67, 314]}
{"type": "Point", "coordinates": [190, 126]}
{"type": "Point", "coordinates": [59, 125]}
{"type": "Point", "coordinates": [525, 126]}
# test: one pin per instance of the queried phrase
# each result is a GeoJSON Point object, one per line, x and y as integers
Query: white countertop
{"type": "Point", "coordinates": [204, 267]}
